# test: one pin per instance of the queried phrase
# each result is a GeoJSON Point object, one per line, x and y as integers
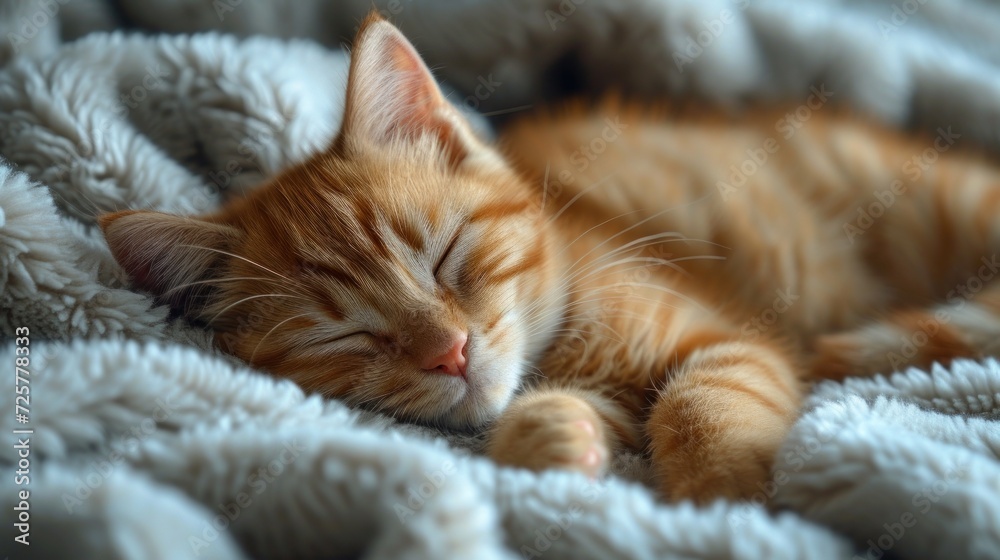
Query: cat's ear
{"type": "Point", "coordinates": [391, 96]}
{"type": "Point", "coordinates": [164, 254]}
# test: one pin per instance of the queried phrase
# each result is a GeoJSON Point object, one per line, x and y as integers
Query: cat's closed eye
{"type": "Point", "coordinates": [447, 252]}
{"type": "Point", "coordinates": [357, 335]}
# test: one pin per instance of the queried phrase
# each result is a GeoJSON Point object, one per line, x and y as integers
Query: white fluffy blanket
{"type": "Point", "coordinates": [148, 444]}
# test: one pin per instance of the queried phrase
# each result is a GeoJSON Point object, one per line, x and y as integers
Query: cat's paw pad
{"type": "Point", "coordinates": [552, 432]}
{"type": "Point", "coordinates": [594, 458]}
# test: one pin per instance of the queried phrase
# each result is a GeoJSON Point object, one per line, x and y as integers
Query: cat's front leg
{"type": "Point", "coordinates": [719, 421]}
{"type": "Point", "coordinates": [559, 428]}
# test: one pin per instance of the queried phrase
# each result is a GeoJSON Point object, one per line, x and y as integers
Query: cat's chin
{"type": "Point", "coordinates": [486, 395]}
{"type": "Point", "coordinates": [469, 415]}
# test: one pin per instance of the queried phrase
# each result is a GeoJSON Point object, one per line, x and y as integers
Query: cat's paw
{"type": "Point", "coordinates": [551, 431]}
{"type": "Point", "coordinates": [732, 481]}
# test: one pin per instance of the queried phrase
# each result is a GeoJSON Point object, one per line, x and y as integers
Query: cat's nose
{"type": "Point", "coordinates": [451, 362]}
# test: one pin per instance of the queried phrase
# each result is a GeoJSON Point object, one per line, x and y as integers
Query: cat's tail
{"type": "Point", "coordinates": [966, 326]}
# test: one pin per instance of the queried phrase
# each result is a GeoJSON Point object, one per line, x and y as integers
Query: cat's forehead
{"type": "Point", "coordinates": [399, 209]}
{"type": "Point", "coordinates": [382, 215]}
{"type": "Point", "coordinates": [400, 186]}
{"type": "Point", "coordinates": [374, 228]}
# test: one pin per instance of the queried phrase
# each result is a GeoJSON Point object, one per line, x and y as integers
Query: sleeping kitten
{"type": "Point", "coordinates": [605, 279]}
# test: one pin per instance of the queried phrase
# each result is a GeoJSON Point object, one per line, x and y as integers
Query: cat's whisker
{"type": "Point", "coordinates": [666, 290]}
{"type": "Point", "coordinates": [379, 401]}
{"type": "Point", "coordinates": [627, 297]}
{"type": "Point", "coordinates": [263, 338]}
{"type": "Point", "coordinates": [235, 256]}
{"type": "Point", "coordinates": [214, 280]}
{"type": "Point", "coordinates": [620, 339]}
{"type": "Point", "coordinates": [248, 298]}
{"type": "Point", "coordinates": [603, 298]}
{"type": "Point", "coordinates": [635, 225]}
{"type": "Point", "coordinates": [585, 233]}
{"type": "Point", "coordinates": [579, 195]}
{"type": "Point", "coordinates": [545, 187]}
{"type": "Point", "coordinates": [654, 240]}
{"type": "Point", "coordinates": [534, 370]}
{"type": "Point", "coordinates": [634, 245]}
{"type": "Point", "coordinates": [610, 269]}
{"type": "Point", "coordinates": [583, 289]}
{"type": "Point", "coordinates": [675, 236]}
{"type": "Point", "coordinates": [582, 273]}
{"type": "Point", "coordinates": [646, 262]}
{"type": "Point", "coordinates": [630, 228]}
{"type": "Point", "coordinates": [536, 328]}
{"type": "Point", "coordinates": [656, 287]}
{"type": "Point", "coordinates": [506, 111]}
{"type": "Point", "coordinates": [583, 333]}
{"type": "Point", "coordinates": [637, 244]}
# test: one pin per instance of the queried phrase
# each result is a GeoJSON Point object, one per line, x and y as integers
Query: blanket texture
{"type": "Point", "coordinates": [925, 62]}
{"type": "Point", "coordinates": [147, 443]}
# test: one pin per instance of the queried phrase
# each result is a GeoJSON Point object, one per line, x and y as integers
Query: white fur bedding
{"type": "Point", "coordinates": [148, 444]}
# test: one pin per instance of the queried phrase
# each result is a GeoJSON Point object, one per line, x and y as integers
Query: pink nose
{"type": "Point", "coordinates": [451, 362]}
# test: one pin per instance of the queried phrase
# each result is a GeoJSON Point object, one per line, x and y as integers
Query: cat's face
{"type": "Point", "coordinates": [404, 269]}
{"type": "Point", "coordinates": [404, 284]}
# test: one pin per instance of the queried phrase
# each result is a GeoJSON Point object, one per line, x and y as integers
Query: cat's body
{"type": "Point", "coordinates": [843, 224]}
{"type": "Point", "coordinates": [836, 238]}
{"type": "Point", "coordinates": [661, 301]}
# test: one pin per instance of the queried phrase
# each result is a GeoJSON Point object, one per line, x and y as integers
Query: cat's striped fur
{"type": "Point", "coordinates": [626, 267]}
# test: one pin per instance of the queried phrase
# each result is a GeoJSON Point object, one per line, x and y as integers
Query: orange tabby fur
{"type": "Point", "coordinates": [662, 309]}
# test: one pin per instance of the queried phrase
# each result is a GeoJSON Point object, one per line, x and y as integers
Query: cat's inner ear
{"type": "Point", "coordinates": [170, 256]}
{"type": "Point", "coordinates": [392, 96]}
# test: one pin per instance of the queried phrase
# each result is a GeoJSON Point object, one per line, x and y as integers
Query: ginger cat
{"type": "Point", "coordinates": [607, 278]}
